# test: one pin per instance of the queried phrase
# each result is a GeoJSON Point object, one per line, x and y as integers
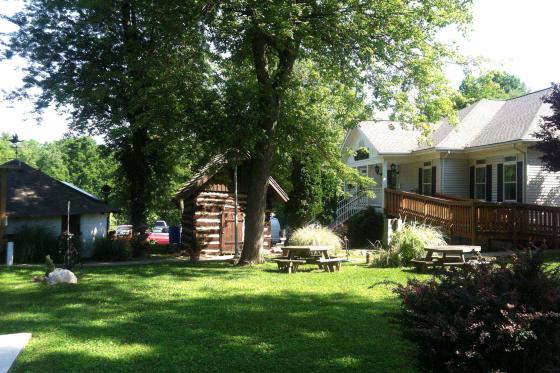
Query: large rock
{"type": "Point", "coordinates": [60, 275]}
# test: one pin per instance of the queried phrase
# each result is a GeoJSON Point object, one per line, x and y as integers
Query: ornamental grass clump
{"type": "Point", "coordinates": [489, 319]}
{"type": "Point", "coordinates": [411, 240]}
{"type": "Point", "coordinates": [313, 235]}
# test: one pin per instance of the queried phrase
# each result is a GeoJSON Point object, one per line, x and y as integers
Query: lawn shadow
{"type": "Point", "coordinates": [288, 331]}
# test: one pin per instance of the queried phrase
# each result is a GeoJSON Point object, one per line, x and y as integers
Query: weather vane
{"type": "Point", "coordinates": [15, 141]}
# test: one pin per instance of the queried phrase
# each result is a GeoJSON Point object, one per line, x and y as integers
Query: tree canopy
{"type": "Point", "coordinates": [492, 85]}
{"type": "Point", "coordinates": [387, 48]}
{"type": "Point", "coordinates": [549, 132]}
{"type": "Point", "coordinates": [122, 70]}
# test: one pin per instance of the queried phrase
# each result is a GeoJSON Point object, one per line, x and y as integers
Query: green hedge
{"type": "Point", "coordinates": [107, 249]}
{"type": "Point", "coordinates": [33, 243]}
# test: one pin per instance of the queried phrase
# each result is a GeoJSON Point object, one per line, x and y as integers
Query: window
{"type": "Point", "coordinates": [510, 182]}
{"type": "Point", "coordinates": [427, 181]}
{"type": "Point", "coordinates": [362, 170]}
{"type": "Point", "coordinates": [480, 183]}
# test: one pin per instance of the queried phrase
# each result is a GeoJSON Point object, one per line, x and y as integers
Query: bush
{"type": "Point", "coordinates": [33, 243]}
{"type": "Point", "coordinates": [491, 319]}
{"type": "Point", "coordinates": [316, 236]}
{"type": "Point", "coordinates": [107, 249]}
{"type": "Point", "coordinates": [411, 240]}
{"type": "Point", "coordinates": [385, 258]}
{"type": "Point", "coordinates": [366, 226]}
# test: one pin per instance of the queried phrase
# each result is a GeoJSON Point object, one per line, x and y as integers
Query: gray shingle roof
{"type": "Point", "coordinates": [390, 137]}
{"type": "Point", "coordinates": [485, 122]}
{"type": "Point", "coordinates": [33, 193]}
{"type": "Point", "coordinates": [512, 121]}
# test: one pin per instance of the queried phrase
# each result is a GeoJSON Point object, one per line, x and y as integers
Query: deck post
{"type": "Point", "coordinates": [514, 225]}
{"type": "Point", "coordinates": [385, 178]}
{"type": "Point", "coordinates": [473, 222]}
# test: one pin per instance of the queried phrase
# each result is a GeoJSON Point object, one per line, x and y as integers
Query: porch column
{"type": "Point", "coordinates": [384, 180]}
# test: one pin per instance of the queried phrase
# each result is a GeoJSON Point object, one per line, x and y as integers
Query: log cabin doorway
{"type": "Point", "coordinates": [227, 231]}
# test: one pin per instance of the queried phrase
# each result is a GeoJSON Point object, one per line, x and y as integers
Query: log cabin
{"type": "Point", "coordinates": [207, 203]}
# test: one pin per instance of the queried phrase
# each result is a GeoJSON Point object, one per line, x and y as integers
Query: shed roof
{"type": "Point", "coordinates": [32, 193]}
{"type": "Point", "coordinates": [215, 165]}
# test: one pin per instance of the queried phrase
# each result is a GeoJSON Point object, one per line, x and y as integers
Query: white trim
{"type": "Point", "coordinates": [514, 164]}
{"type": "Point", "coordinates": [482, 166]}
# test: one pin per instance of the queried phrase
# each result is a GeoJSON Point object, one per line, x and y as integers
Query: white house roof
{"type": "Point", "coordinates": [485, 122]}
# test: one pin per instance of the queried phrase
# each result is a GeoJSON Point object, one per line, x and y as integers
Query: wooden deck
{"type": "Point", "coordinates": [477, 220]}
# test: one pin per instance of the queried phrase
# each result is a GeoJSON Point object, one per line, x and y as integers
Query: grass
{"type": "Point", "coordinates": [206, 318]}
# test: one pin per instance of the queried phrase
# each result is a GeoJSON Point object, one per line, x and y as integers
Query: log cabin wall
{"type": "Point", "coordinates": [202, 219]}
{"type": "Point", "coordinates": [210, 204]}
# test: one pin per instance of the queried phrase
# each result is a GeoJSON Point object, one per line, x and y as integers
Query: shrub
{"type": "Point", "coordinates": [385, 258]}
{"type": "Point", "coordinates": [491, 319]}
{"type": "Point", "coordinates": [107, 249]}
{"type": "Point", "coordinates": [316, 236]}
{"type": "Point", "coordinates": [412, 238]}
{"type": "Point", "coordinates": [33, 243]}
{"type": "Point", "coordinates": [366, 226]}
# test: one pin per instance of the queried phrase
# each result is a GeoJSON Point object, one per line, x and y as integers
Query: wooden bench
{"type": "Point", "coordinates": [289, 265]}
{"type": "Point", "coordinates": [330, 264]}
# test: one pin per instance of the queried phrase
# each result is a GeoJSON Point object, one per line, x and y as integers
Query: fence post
{"type": "Point", "coordinates": [555, 230]}
{"type": "Point", "coordinates": [9, 254]}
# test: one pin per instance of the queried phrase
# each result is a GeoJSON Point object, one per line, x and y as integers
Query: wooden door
{"type": "Point", "coordinates": [227, 231]}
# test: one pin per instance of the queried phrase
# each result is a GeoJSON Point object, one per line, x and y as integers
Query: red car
{"type": "Point", "coordinates": [159, 238]}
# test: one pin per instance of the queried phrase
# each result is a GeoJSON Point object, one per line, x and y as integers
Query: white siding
{"type": "Point", "coordinates": [52, 223]}
{"type": "Point", "coordinates": [494, 160]}
{"type": "Point", "coordinates": [92, 227]}
{"type": "Point", "coordinates": [408, 175]}
{"type": "Point", "coordinates": [455, 180]}
{"type": "Point", "coordinates": [543, 187]}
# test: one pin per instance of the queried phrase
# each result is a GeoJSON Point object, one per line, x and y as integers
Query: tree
{"type": "Point", "coordinates": [328, 108]}
{"type": "Point", "coordinates": [549, 143]}
{"type": "Point", "coordinates": [389, 45]}
{"type": "Point", "coordinates": [492, 85]}
{"type": "Point", "coordinates": [130, 70]}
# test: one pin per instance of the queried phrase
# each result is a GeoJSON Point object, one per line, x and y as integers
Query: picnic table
{"type": "Point", "coordinates": [445, 256]}
{"type": "Point", "coordinates": [307, 251]}
{"type": "Point", "coordinates": [296, 255]}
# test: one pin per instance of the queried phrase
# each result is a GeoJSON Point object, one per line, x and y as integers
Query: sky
{"type": "Point", "coordinates": [517, 36]}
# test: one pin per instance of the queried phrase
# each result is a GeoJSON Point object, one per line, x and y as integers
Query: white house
{"type": "Point", "coordinates": [34, 198]}
{"type": "Point", "coordinates": [489, 155]}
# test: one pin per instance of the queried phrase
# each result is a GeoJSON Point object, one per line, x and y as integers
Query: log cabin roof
{"type": "Point", "coordinates": [32, 193]}
{"type": "Point", "coordinates": [211, 169]}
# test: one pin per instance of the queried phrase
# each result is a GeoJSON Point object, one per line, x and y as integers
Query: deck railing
{"type": "Point", "coordinates": [476, 219]}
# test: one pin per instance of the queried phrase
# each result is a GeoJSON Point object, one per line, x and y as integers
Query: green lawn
{"type": "Point", "coordinates": [206, 318]}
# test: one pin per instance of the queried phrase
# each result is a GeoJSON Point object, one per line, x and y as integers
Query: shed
{"type": "Point", "coordinates": [35, 199]}
{"type": "Point", "coordinates": [207, 203]}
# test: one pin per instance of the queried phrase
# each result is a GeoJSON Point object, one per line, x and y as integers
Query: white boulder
{"type": "Point", "coordinates": [60, 275]}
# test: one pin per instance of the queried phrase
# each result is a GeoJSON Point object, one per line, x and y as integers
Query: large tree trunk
{"type": "Point", "coordinates": [270, 92]}
{"type": "Point", "coordinates": [256, 206]}
{"type": "Point", "coordinates": [136, 173]}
